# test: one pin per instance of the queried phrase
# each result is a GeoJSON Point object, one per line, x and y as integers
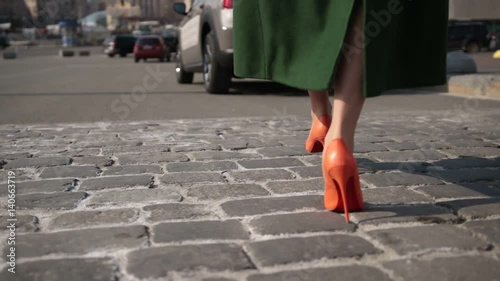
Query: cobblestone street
{"type": "Point", "coordinates": [240, 199]}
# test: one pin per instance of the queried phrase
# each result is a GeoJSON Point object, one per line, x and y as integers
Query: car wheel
{"type": "Point", "coordinates": [182, 76]}
{"type": "Point", "coordinates": [217, 79]}
{"type": "Point", "coordinates": [161, 59]}
{"type": "Point", "coordinates": [123, 55]}
{"type": "Point", "coordinates": [145, 59]}
{"type": "Point", "coordinates": [136, 59]}
{"type": "Point", "coordinates": [111, 55]}
{"type": "Point", "coordinates": [472, 47]}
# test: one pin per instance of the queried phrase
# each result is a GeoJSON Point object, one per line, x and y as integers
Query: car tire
{"type": "Point", "coordinates": [161, 59]}
{"type": "Point", "coordinates": [217, 79]}
{"type": "Point", "coordinates": [183, 77]}
{"type": "Point", "coordinates": [123, 55]}
{"type": "Point", "coordinates": [472, 47]}
{"type": "Point", "coordinates": [136, 59]}
{"type": "Point", "coordinates": [111, 55]}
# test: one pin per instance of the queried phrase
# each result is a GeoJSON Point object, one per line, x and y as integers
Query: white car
{"type": "Point", "coordinates": [206, 44]}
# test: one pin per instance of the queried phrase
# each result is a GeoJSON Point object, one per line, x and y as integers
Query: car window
{"type": "Point", "coordinates": [470, 30]}
{"type": "Point", "coordinates": [168, 33]}
{"type": "Point", "coordinates": [480, 29]}
{"type": "Point", "coordinates": [461, 31]}
{"type": "Point", "coordinates": [149, 41]}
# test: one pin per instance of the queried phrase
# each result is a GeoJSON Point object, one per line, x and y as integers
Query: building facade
{"type": "Point", "coordinates": [475, 10]}
{"type": "Point", "coordinates": [160, 10]}
{"type": "Point", "coordinates": [14, 11]}
{"type": "Point", "coordinates": [39, 13]}
{"type": "Point", "coordinates": [487, 11]}
{"type": "Point", "coordinates": [96, 6]}
{"type": "Point", "coordinates": [123, 14]}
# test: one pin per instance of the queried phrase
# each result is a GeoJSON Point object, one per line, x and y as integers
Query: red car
{"type": "Point", "coordinates": [150, 46]}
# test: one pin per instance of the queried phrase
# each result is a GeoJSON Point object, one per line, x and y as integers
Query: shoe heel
{"type": "Point", "coordinates": [341, 176]}
{"type": "Point", "coordinates": [340, 172]}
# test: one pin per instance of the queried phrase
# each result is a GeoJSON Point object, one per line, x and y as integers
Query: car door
{"type": "Point", "coordinates": [190, 36]}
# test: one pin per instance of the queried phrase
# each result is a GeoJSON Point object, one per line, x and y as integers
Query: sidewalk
{"type": "Point", "coordinates": [240, 199]}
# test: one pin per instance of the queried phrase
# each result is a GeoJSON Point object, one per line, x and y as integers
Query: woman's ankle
{"type": "Point", "coordinates": [324, 109]}
{"type": "Point", "coordinates": [349, 141]}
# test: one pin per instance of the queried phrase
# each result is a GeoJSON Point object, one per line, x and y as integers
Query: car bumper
{"type": "Point", "coordinates": [150, 54]}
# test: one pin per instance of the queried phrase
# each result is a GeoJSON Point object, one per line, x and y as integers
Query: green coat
{"type": "Point", "coordinates": [298, 42]}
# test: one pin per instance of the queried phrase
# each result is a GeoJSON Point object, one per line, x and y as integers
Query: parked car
{"type": "Point", "coordinates": [150, 46]}
{"type": "Point", "coordinates": [4, 41]}
{"type": "Point", "coordinates": [122, 45]}
{"type": "Point", "coordinates": [471, 37]}
{"type": "Point", "coordinates": [206, 44]}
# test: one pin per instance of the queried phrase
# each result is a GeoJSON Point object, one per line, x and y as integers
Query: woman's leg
{"type": "Point", "coordinates": [320, 103]}
{"type": "Point", "coordinates": [348, 99]}
{"type": "Point", "coordinates": [321, 110]}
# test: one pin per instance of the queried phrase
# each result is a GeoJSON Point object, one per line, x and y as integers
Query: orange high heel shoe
{"type": "Point", "coordinates": [340, 172]}
{"type": "Point", "coordinates": [316, 140]}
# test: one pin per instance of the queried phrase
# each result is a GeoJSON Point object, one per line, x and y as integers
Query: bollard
{"type": "Point", "coordinates": [9, 55]}
{"type": "Point", "coordinates": [460, 63]}
{"type": "Point", "coordinates": [66, 53]}
{"type": "Point", "coordinates": [84, 53]}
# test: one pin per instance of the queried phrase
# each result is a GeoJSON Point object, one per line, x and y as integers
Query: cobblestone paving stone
{"type": "Point", "coordinates": [240, 199]}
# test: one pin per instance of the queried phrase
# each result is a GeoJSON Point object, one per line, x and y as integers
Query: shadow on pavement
{"type": "Point", "coordinates": [464, 187]}
{"type": "Point", "coordinates": [254, 88]}
{"type": "Point", "coordinates": [244, 87]}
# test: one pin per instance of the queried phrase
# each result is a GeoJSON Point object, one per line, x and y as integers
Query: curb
{"type": "Point", "coordinates": [477, 85]}
{"type": "Point", "coordinates": [472, 85]}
